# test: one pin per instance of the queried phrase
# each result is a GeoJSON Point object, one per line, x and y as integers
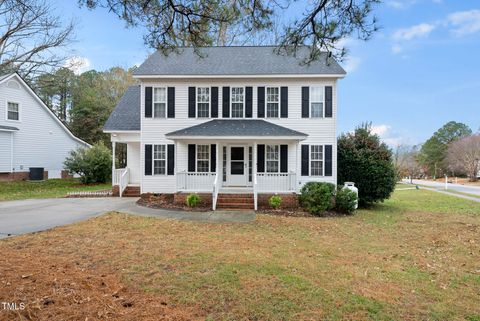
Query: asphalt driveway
{"type": "Point", "coordinates": [26, 216]}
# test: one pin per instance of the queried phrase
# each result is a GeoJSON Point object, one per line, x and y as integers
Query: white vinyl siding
{"type": "Point", "coordinates": [320, 131]}
{"type": "Point", "coordinates": [203, 102]}
{"type": "Point", "coordinates": [273, 102]}
{"type": "Point", "coordinates": [316, 160]}
{"type": "Point", "coordinates": [238, 102]}
{"type": "Point", "coordinates": [159, 102]}
{"type": "Point", "coordinates": [317, 102]}
{"type": "Point", "coordinates": [13, 111]}
{"type": "Point", "coordinates": [272, 158]}
{"type": "Point", "coordinates": [159, 160]}
{"type": "Point", "coordinates": [203, 158]}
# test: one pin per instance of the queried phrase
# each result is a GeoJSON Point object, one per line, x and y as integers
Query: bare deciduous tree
{"type": "Point", "coordinates": [406, 161]}
{"type": "Point", "coordinates": [173, 23]}
{"type": "Point", "coordinates": [31, 36]}
{"type": "Point", "coordinates": [464, 155]}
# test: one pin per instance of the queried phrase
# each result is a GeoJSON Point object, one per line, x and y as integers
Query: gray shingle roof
{"type": "Point", "coordinates": [8, 127]}
{"type": "Point", "coordinates": [126, 115]}
{"type": "Point", "coordinates": [235, 61]}
{"type": "Point", "coordinates": [236, 127]}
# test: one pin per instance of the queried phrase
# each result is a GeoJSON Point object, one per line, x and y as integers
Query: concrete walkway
{"type": "Point", "coordinates": [26, 216]}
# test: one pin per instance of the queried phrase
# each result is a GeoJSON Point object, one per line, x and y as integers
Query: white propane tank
{"type": "Point", "coordinates": [351, 186]}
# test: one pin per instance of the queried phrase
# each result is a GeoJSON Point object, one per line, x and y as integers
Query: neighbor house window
{"type": "Point", "coordinates": [273, 101]}
{"type": "Point", "coordinates": [13, 111]}
{"type": "Point", "coordinates": [316, 160]}
{"type": "Point", "coordinates": [237, 102]}
{"type": "Point", "coordinates": [203, 158]}
{"type": "Point", "coordinates": [203, 102]}
{"type": "Point", "coordinates": [316, 102]}
{"type": "Point", "coordinates": [159, 102]}
{"type": "Point", "coordinates": [159, 160]}
{"type": "Point", "coordinates": [272, 158]}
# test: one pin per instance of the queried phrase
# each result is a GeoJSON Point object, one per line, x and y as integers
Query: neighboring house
{"type": "Point", "coordinates": [233, 120]}
{"type": "Point", "coordinates": [30, 133]}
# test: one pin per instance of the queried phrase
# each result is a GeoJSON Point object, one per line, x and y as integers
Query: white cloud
{"type": "Point", "coordinates": [380, 130]}
{"type": "Point", "coordinates": [417, 31]}
{"type": "Point", "coordinates": [400, 4]}
{"type": "Point", "coordinates": [78, 64]}
{"type": "Point", "coordinates": [396, 49]}
{"type": "Point", "coordinates": [464, 22]}
{"type": "Point", "coordinates": [351, 63]}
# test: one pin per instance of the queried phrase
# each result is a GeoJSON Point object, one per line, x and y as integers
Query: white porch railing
{"type": "Point", "coordinates": [216, 189]}
{"type": "Point", "coordinates": [121, 178]}
{"type": "Point", "coordinates": [255, 192]}
{"type": "Point", "coordinates": [276, 182]}
{"type": "Point", "coordinates": [195, 181]}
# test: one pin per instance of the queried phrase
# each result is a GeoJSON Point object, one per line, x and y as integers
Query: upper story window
{"type": "Point", "coordinates": [273, 101]}
{"type": "Point", "coordinates": [316, 102]}
{"type": "Point", "coordinates": [13, 111]}
{"type": "Point", "coordinates": [203, 102]}
{"type": "Point", "coordinates": [203, 158]}
{"type": "Point", "coordinates": [159, 102]}
{"type": "Point", "coordinates": [159, 160]}
{"type": "Point", "coordinates": [238, 102]}
{"type": "Point", "coordinates": [316, 160]}
{"type": "Point", "coordinates": [272, 158]}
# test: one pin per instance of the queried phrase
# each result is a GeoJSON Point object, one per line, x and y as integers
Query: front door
{"type": "Point", "coordinates": [237, 165]}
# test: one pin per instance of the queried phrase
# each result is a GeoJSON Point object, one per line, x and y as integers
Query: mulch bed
{"type": "Point", "coordinates": [58, 289]}
{"type": "Point", "coordinates": [165, 201]}
{"type": "Point", "coordinates": [285, 212]}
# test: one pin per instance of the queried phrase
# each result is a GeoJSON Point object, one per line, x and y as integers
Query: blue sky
{"type": "Point", "coordinates": [419, 71]}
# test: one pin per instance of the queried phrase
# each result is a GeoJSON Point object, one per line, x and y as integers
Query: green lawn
{"type": "Point", "coordinates": [44, 189]}
{"type": "Point", "coordinates": [414, 257]}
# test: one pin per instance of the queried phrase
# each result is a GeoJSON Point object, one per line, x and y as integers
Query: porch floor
{"type": "Point", "coordinates": [236, 190]}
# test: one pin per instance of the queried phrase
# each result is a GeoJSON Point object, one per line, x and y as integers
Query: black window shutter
{"type": "Point", "coordinates": [284, 102]}
{"type": "Point", "coordinates": [213, 158]}
{"type": "Point", "coordinates": [171, 159]}
{"type": "Point", "coordinates": [305, 102]}
{"type": "Point", "coordinates": [261, 102]}
{"type": "Point", "coordinates": [305, 160]}
{"type": "Point", "coordinates": [283, 158]}
{"type": "Point", "coordinates": [260, 158]}
{"type": "Point", "coordinates": [148, 159]}
{"type": "Point", "coordinates": [328, 101]}
{"type": "Point", "coordinates": [171, 102]}
{"type": "Point", "coordinates": [248, 102]}
{"type": "Point", "coordinates": [214, 102]}
{"type": "Point", "coordinates": [226, 102]}
{"type": "Point", "coordinates": [191, 157]}
{"type": "Point", "coordinates": [148, 102]}
{"type": "Point", "coordinates": [191, 102]}
{"type": "Point", "coordinates": [328, 160]}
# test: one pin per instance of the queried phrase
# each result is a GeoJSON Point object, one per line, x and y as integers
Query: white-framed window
{"type": "Point", "coordinates": [272, 158]}
{"type": "Point", "coordinates": [13, 111]}
{"type": "Point", "coordinates": [203, 158]}
{"type": "Point", "coordinates": [316, 160]}
{"type": "Point", "coordinates": [273, 101]}
{"type": "Point", "coordinates": [317, 102]}
{"type": "Point", "coordinates": [159, 160]}
{"type": "Point", "coordinates": [237, 97]}
{"type": "Point", "coordinates": [203, 102]}
{"type": "Point", "coordinates": [159, 102]}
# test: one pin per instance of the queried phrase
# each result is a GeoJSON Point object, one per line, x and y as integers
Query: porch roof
{"type": "Point", "coordinates": [237, 129]}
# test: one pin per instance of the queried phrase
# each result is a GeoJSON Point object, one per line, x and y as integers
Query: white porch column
{"type": "Point", "coordinates": [114, 144]}
{"type": "Point", "coordinates": [218, 167]}
{"type": "Point", "coordinates": [297, 166]}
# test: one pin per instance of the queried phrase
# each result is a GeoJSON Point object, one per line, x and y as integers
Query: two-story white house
{"type": "Point", "coordinates": [30, 133]}
{"type": "Point", "coordinates": [232, 120]}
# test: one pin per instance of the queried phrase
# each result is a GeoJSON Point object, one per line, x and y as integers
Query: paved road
{"type": "Point", "coordinates": [474, 190]}
{"type": "Point", "coordinates": [26, 216]}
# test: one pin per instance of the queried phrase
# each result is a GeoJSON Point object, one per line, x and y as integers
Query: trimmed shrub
{"type": "Point", "coordinates": [317, 197]}
{"type": "Point", "coordinates": [345, 200]}
{"type": "Point", "coordinates": [193, 200]}
{"type": "Point", "coordinates": [365, 160]}
{"type": "Point", "coordinates": [275, 201]}
{"type": "Point", "coordinates": [93, 165]}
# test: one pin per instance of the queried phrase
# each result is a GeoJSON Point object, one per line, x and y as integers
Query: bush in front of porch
{"type": "Point", "coordinates": [317, 197]}
{"type": "Point", "coordinates": [93, 165]}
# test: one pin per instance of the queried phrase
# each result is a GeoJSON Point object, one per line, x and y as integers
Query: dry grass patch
{"type": "Point", "coordinates": [415, 257]}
